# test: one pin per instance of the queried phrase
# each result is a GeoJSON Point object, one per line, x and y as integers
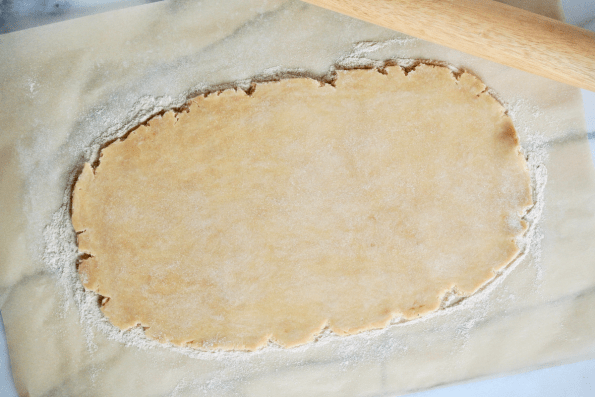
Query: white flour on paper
{"type": "Point", "coordinates": [61, 253]}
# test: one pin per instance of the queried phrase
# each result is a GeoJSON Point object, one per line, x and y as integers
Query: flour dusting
{"type": "Point", "coordinates": [61, 254]}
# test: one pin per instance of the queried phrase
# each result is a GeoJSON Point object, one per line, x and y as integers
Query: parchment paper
{"type": "Point", "coordinates": [68, 88]}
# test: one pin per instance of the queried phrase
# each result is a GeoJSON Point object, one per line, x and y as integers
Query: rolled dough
{"type": "Point", "coordinates": [270, 216]}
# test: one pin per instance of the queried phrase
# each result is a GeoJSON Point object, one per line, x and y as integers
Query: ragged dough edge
{"type": "Point", "coordinates": [125, 320]}
{"type": "Point", "coordinates": [62, 254]}
{"type": "Point", "coordinates": [465, 80]}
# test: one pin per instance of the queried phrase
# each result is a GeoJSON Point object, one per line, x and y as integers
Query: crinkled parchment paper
{"type": "Point", "coordinates": [68, 88]}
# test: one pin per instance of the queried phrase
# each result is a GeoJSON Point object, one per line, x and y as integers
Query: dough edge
{"type": "Point", "coordinates": [88, 261]}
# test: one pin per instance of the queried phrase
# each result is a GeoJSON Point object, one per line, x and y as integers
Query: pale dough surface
{"type": "Point", "coordinates": [271, 216]}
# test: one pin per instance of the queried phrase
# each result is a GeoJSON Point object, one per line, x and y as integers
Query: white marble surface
{"type": "Point", "coordinates": [579, 12]}
{"type": "Point", "coordinates": [25, 14]}
{"type": "Point", "coordinates": [576, 380]}
{"type": "Point", "coordinates": [75, 84]}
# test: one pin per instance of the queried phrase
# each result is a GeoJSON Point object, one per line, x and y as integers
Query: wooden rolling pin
{"type": "Point", "coordinates": [487, 29]}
